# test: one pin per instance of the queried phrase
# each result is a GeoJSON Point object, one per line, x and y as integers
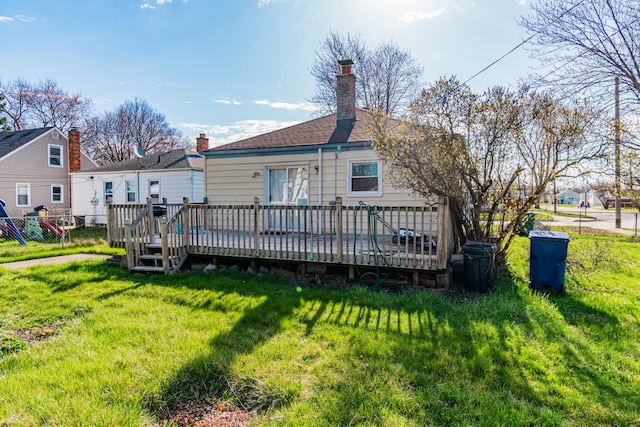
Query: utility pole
{"type": "Point", "coordinates": [617, 154]}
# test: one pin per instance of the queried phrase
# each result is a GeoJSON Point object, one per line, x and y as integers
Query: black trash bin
{"type": "Point", "coordinates": [159, 210]}
{"type": "Point", "coordinates": [548, 260]}
{"type": "Point", "coordinates": [478, 265]}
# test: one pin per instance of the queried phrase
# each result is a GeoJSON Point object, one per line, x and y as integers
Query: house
{"type": "Point", "coordinates": [34, 169]}
{"type": "Point", "coordinates": [310, 163]}
{"type": "Point", "coordinates": [314, 195]}
{"type": "Point", "coordinates": [568, 197]}
{"type": "Point", "coordinates": [165, 177]}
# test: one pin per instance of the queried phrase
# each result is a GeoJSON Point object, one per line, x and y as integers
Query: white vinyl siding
{"type": "Point", "coordinates": [23, 195]}
{"type": "Point", "coordinates": [57, 194]}
{"type": "Point", "coordinates": [55, 156]}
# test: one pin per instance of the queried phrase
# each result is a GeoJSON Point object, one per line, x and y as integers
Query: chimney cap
{"type": "Point", "coordinates": [202, 135]}
{"type": "Point", "coordinates": [345, 62]}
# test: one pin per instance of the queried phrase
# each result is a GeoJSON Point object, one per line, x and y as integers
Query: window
{"type": "Point", "coordinates": [56, 194]}
{"type": "Point", "coordinates": [154, 190]}
{"type": "Point", "coordinates": [55, 155]}
{"type": "Point", "coordinates": [365, 178]}
{"type": "Point", "coordinates": [130, 189]}
{"type": "Point", "coordinates": [108, 192]}
{"type": "Point", "coordinates": [23, 194]}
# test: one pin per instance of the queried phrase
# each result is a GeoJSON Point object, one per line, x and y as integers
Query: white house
{"type": "Point", "coordinates": [170, 176]}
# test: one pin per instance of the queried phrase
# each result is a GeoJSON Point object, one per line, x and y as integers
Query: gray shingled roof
{"type": "Point", "coordinates": [323, 130]}
{"type": "Point", "coordinates": [11, 141]}
{"type": "Point", "coordinates": [180, 158]}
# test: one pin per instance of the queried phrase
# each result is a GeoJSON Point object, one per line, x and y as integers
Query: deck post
{"type": "Point", "coordinates": [256, 226]}
{"type": "Point", "coordinates": [443, 231]}
{"type": "Point", "coordinates": [186, 226]}
{"type": "Point", "coordinates": [165, 244]}
{"type": "Point", "coordinates": [110, 228]}
{"type": "Point", "coordinates": [152, 223]}
{"type": "Point", "coordinates": [339, 228]}
{"type": "Point", "coordinates": [129, 245]}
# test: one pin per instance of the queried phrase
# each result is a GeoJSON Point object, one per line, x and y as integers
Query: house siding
{"type": "Point", "coordinates": [30, 165]}
{"type": "Point", "coordinates": [230, 180]}
{"type": "Point", "coordinates": [174, 185]}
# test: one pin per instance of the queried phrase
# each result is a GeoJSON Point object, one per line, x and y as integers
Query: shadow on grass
{"type": "Point", "coordinates": [453, 355]}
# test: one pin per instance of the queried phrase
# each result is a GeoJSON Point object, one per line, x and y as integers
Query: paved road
{"type": "Point", "coordinates": [604, 219]}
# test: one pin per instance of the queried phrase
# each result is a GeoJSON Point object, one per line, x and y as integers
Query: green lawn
{"type": "Point", "coordinates": [89, 344]}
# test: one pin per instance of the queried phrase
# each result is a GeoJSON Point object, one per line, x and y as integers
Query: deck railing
{"type": "Point", "coordinates": [418, 237]}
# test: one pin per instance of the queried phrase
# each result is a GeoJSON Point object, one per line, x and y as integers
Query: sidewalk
{"type": "Point", "coordinates": [63, 259]}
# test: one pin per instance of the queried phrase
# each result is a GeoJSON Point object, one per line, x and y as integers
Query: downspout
{"type": "Point", "coordinates": [319, 176]}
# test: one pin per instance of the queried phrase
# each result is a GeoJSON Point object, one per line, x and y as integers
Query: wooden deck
{"type": "Point", "coordinates": [415, 238]}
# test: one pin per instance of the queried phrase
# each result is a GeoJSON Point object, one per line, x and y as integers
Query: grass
{"type": "Point", "coordinates": [87, 240]}
{"type": "Point", "coordinates": [89, 344]}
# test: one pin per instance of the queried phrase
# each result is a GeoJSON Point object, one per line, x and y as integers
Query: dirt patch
{"type": "Point", "coordinates": [209, 412]}
{"type": "Point", "coordinates": [35, 334]}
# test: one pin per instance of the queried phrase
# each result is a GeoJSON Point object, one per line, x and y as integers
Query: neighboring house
{"type": "Point", "coordinates": [311, 163]}
{"type": "Point", "coordinates": [169, 175]}
{"type": "Point", "coordinates": [35, 166]}
{"type": "Point", "coordinates": [568, 197]}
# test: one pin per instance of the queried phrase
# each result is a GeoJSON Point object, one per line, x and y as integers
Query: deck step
{"type": "Point", "coordinates": [151, 257]}
{"type": "Point", "coordinates": [147, 269]}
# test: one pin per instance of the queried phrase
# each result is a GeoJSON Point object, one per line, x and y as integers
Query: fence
{"type": "Point", "coordinates": [58, 230]}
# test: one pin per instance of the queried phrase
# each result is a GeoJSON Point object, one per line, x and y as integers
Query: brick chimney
{"type": "Point", "coordinates": [74, 150]}
{"type": "Point", "coordinates": [346, 93]}
{"type": "Point", "coordinates": [202, 143]}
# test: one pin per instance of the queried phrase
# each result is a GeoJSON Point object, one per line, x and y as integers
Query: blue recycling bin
{"type": "Point", "coordinates": [548, 260]}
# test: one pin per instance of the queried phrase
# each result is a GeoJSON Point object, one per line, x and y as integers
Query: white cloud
{"type": "Point", "coordinates": [300, 106]}
{"type": "Point", "coordinates": [21, 18]}
{"type": "Point", "coordinates": [262, 3]}
{"type": "Point", "coordinates": [152, 5]}
{"type": "Point", "coordinates": [223, 134]}
{"type": "Point", "coordinates": [25, 18]}
{"type": "Point", "coordinates": [420, 15]}
{"type": "Point", "coordinates": [522, 2]}
{"type": "Point", "coordinates": [226, 101]}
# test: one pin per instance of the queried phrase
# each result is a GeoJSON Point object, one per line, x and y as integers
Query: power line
{"type": "Point", "coordinates": [523, 42]}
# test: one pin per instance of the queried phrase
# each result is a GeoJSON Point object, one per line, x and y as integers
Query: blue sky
{"type": "Point", "coordinates": [236, 68]}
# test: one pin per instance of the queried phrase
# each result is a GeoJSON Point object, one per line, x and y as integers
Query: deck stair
{"type": "Point", "coordinates": [153, 243]}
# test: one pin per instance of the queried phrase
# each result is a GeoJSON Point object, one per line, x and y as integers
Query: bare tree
{"type": "Point", "coordinates": [588, 43]}
{"type": "Point", "coordinates": [388, 77]}
{"type": "Point", "coordinates": [3, 120]}
{"type": "Point", "coordinates": [43, 104]}
{"type": "Point", "coordinates": [113, 136]}
{"type": "Point", "coordinates": [492, 154]}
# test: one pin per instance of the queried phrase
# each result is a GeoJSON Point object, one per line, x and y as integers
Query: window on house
{"type": "Point", "coordinates": [23, 194]}
{"type": "Point", "coordinates": [364, 178]}
{"type": "Point", "coordinates": [130, 189]}
{"type": "Point", "coordinates": [56, 194]}
{"type": "Point", "coordinates": [55, 155]}
{"type": "Point", "coordinates": [154, 190]}
{"type": "Point", "coordinates": [108, 192]}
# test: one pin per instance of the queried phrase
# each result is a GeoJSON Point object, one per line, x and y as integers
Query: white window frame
{"type": "Point", "coordinates": [61, 193]}
{"type": "Point", "coordinates": [28, 186]}
{"type": "Point", "coordinates": [351, 192]}
{"type": "Point", "coordinates": [104, 191]}
{"type": "Point", "coordinates": [149, 190]}
{"type": "Point", "coordinates": [49, 157]}
{"type": "Point", "coordinates": [127, 192]}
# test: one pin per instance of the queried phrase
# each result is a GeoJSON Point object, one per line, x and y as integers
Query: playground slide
{"type": "Point", "coordinates": [57, 231]}
{"type": "Point", "coordinates": [12, 227]}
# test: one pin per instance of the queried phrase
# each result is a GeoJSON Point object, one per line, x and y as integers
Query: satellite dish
{"type": "Point", "coordinates": [138, 151]}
